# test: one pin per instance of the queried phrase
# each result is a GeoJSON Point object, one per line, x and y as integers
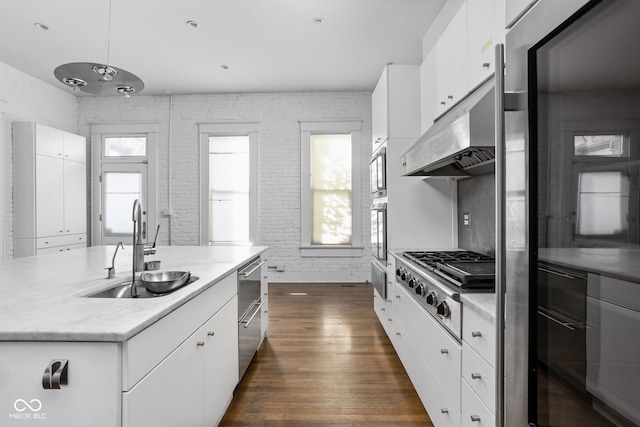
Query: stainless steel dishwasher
{"type": "Point", "coordinates": [249, 313]}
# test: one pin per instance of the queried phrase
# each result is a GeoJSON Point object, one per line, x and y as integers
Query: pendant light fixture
{"type": "Point", "coordinates": [99, 79]}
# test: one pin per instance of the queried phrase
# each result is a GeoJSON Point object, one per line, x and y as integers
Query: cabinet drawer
{"type": "Point", "coordinates": [70, 239]}
{"type": "Point", "coordinates": [443, 411]}
{"type": "Point", "coordinates": [384, 311]}
{"type": "Point", "coordinates": [144, 351]}
{"type": "Point", "coordinates": [480, 376]}
{"type": "Point", "coordinates": [437, 347]}
{"type": "Point", "coordinates": [474, 412]}
{"type": "Point", "coordinates": [480, 334]}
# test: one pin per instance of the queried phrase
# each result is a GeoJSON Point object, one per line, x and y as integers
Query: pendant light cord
{"type": "Point", "coordinates": [109, 35]}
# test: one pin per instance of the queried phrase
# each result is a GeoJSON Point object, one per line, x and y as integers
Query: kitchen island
{"type": "Point", "coordinates": [68, 360]}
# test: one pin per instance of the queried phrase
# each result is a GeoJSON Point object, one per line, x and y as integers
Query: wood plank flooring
{"type": "Point", "coordinates": [326, 362]}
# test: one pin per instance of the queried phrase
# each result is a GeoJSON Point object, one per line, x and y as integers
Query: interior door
{"type": "Point", "coordinates": [121, 185]}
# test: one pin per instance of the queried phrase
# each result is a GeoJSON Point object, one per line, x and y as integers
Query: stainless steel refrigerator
{"type": "Point", "coordinates": [567, 246]}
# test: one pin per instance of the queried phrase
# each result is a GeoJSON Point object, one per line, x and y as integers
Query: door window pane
{"type": "Point", "coordinates": [121, 189]}
{"type": "Point", "coordinates": [600, 145]}
{"type": "Point", "coordinates": [229, 183]}
{"type": "Point", "coordinates": [331, 189]}
{"type": "Point", "coordinates": [126, 146]}
{"type": "Point", "coordinates": [603, 203]}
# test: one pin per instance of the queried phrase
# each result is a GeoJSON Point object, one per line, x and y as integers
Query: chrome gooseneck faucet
{"type": "Point", "coordinates": [139, 250]}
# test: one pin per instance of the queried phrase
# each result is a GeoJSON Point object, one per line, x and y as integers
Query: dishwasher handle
{"type": "Point", "coordinates": [248, 273]}
{"type": "Point", "coordinates": [246, 323]}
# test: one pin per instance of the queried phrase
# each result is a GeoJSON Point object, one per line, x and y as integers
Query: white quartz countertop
{"type": "Point", "coordinates": [614, 262]}
{"type": "Point", "coordinates": [42, 297]}
{"type": "Point", "coordinates": [482, 303]}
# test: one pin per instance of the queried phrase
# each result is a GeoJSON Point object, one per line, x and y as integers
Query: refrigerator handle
{"type": "Point", "coordinates": [500, 277]}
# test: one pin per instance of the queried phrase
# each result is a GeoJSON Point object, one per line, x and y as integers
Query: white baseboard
{"type": "Point", "coordinates": [318, 276]}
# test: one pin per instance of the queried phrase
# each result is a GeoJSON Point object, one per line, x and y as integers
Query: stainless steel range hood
{"type": "Point", "coordinates": [461, 143]}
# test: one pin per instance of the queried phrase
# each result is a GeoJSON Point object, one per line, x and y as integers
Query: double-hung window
{"type": "Point", "coordinates": [229, 163]}
{"type": "Point", "coordinates": [331, 189]}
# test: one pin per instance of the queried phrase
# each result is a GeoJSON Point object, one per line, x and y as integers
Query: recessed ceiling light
{"type": "Point", "coordinates": [41, 26]}
{"type": "Point", "coordinates": [317, 20]}
{"type": "Point", "coordinates": [192, 24]}
{"type": "Point", "coordinates": [224, 67]}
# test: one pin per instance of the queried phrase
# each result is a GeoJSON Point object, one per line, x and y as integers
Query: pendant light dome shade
{"type": "Point", "coordinates": [99, 79]}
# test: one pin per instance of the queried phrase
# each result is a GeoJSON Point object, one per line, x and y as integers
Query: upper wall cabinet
{"type": "Point", "coordinates": [452, 74]}
{"type": "Point", "coordinates": [462, 58]}
{"type": "Point", "coordinates": [481, 38]}
{"type": "Point", "coordinates": [444, 76]}
{"type": "Point", "coordinates": [395, 104]}
{"type": "Point", "coordinates": [50, 188]}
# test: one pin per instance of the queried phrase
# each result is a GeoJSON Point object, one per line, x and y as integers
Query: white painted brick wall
{"type": "Point", "coordinates": [26, 99]}
{"type": "Point", "coordinates": [279, 164]}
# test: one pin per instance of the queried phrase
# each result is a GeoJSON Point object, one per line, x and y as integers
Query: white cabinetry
{"type": "Point", "coordinates": [485, 25]}
{"type": "Point", "coordinates": [169, 381]}
{"type": "Point", "coordinates": [396, 104]}
{"type": "Point", "coordinates": [194, 384]}
{"type": "Point", "coordinates": [462, 58]}
{"type": "Point", "coordinates": [49, 189]}
{"type": "Point", "coordinates": [478, 369]}
{"type": "Point", "coordinates": [431, 357]}
{"type": "Point", "coordinates": [452, 76]}
{"type": "Point", "coordinates": [91, 396]}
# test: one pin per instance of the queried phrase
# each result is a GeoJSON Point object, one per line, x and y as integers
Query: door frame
{"type": "Point", "coordinates": [98, 132]}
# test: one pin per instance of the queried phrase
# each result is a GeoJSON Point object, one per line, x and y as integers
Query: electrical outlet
{"type": "Point", "coordinates": [466, 219]}
{"type": "Point", "coordinates": [279, 267]}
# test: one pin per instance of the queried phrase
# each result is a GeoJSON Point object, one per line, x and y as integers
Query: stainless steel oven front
{"type": "Point", "coordinates": [379, 231]}
{"type": "Point", "coordinates": [378, 173]}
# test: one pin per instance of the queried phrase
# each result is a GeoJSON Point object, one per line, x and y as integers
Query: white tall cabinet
{"type": "Point", "coordinates": [49, 189]}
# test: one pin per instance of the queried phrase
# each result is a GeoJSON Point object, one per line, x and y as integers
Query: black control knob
{"type": "Point", "coordinates": [398, 271]}
{"type": "Point", "coordinates": [420, 289]}
{"type": "Point", "coordinates": [432, 299]}
{"type": "Point", "coordinates": [443, 309]}
{"type": "Point", "coordinates": [403, 275]}
{"type": "Point", "coordinates": [412, 282]}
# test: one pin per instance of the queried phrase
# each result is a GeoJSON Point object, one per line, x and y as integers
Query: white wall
{"type": "Point", "coordinates": [24, 98]}
{"type": "Point", "coordinates": [279, 165]}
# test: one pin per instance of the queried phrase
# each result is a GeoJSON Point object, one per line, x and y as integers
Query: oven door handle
{"type": "Point", "coordinates": [248, 273]}
{"type": "Point", "coordinates": [245, 323]}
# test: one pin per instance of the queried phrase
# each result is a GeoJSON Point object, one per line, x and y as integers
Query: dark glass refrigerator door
{"type": "Point", "coordinates": [584, 133]}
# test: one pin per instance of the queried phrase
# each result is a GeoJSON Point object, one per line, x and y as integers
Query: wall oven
{"type": "Point", "coordinates": [378, 173]}
{"type": "Point", "coordinates": [379, 231]}
{"type": "Point", "coordinates": [567, 208]}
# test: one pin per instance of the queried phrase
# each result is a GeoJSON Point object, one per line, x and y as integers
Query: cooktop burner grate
{"type": "Point", "coordinates": [464, 269]}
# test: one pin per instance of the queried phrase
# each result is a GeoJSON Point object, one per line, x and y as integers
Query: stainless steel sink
{"type": "Point", "coordinates": [123, 290]}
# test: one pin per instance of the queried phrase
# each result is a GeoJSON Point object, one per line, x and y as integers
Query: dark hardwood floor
{"type": "Point", "coordinates": [326, 362]}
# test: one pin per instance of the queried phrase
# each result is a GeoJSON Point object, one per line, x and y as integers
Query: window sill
{"type": "Point", "coordinates": [331, 251]}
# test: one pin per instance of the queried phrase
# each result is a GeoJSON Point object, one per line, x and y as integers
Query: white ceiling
{"type": "Point", "coordinates": [268, 45]}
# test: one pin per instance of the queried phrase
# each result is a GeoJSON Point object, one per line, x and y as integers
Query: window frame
{"type": "Point", "coordinates": [98, 133]}
{"type": "Point", "coordinates": [307, 129]}
{"type": "Point", "coordinates": [205, 131]}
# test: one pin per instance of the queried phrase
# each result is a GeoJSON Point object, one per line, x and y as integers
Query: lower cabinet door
{"type": "Point", "coordinates": [90, 395]}
{"type": "Point", "coordinates": [221, 362]}
{"type": "Point", "coordinates": [172, 393]}
{"type": "Point", "coordinates": [443, 411]}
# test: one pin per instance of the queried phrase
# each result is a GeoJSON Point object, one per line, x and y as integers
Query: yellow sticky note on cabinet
{"type": "Point", "coordinates": [487, 44]}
